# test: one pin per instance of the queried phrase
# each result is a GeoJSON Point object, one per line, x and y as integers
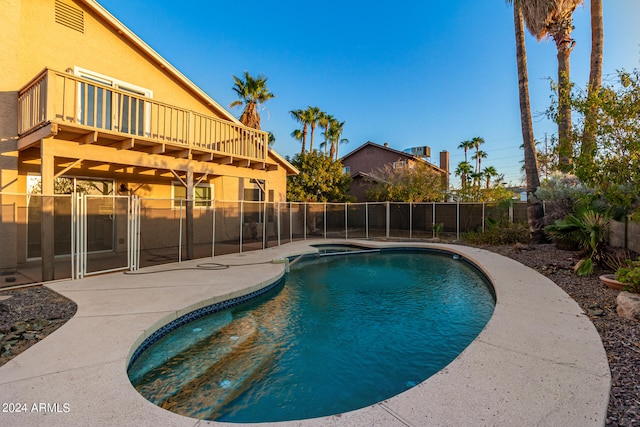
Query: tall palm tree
{"type": "Point", "coordinates": [478, 156]}
{"type": "Point", "coordinates": [335, 132]}
{"type": "Point", "coordinates": [489, 172]}
{"type": "Point", "coordinates": [324, 120]}
{"type": "Point", "coordinates": [341, 141]}
{"type": "Point", "coordinates": [252, 92]}
{"type": "Point", "coordinates": [535, 210]}
{"type": "Point", "coordinates": [476, 177]}
{"type": "Point", "coordinates": [302, 117]}
{"type": "Point", "coordinates": [463, 170]}
{"type": "Point", "coordinates": [466, 146]}
{"type": "Point", "coordinates": [554, 18]}
{"type": "Point", "coordinates": [312, 116]}
{"type": "Point", "coordinates": [477, 142]}
{"type": "Point", "coordinates": [588, 146]}
{"type": "Point", "coordinates": [298, 135]}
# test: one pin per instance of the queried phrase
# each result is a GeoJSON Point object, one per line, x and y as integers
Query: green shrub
{"type": "Point", "coordinates": [630, 276]}
{"type": "Point", "coordinates": [504, 233]}
{"type": "Point", "coordinates": [588, 228]}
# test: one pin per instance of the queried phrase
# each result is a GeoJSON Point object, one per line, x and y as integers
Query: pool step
{"type": "Point", "coordinates": [224, 381]}
{"type": "Point", "coordinates": [176, 342]}
{"type": "Point", "coordinates": [167, 379]}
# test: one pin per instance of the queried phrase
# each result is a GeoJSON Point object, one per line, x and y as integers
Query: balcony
{"type": "Point", "coordinates": [82, 110]}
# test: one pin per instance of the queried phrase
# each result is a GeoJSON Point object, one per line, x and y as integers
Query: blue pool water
{"type": "Point", "coordinates": [344, 332]}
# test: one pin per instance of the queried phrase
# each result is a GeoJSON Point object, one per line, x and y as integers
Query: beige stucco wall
{"type": "Point", "coordinates": [31, 40]}
{"type": "Point", "coordinates": [40, 42]}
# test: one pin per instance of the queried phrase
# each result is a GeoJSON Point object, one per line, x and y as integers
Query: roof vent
{"type": "Point", "coordinates": [69, 16]}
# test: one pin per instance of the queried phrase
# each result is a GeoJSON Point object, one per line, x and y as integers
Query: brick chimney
{"type": "Point", "coordinates": [444, 164]}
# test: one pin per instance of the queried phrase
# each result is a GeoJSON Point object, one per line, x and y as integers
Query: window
{"type": "Point", "coordinates": [105, 109]}
{"type": "Point", "coordinates": [253, 192]}
{"type": "Point", "coordinates": [400, 164]}
{"type": "Point", "coordinates": [346, 170]}
{"type": "Point", "coordinates": [203, 194]}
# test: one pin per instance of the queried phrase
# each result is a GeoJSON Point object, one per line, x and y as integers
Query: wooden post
{"type": "Point", "coordinates": [47, 223]}
{"type": "Point", "coordinates": [189, 217]}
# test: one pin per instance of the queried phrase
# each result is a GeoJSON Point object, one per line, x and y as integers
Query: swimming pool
{"type": "Point", "coordinates": [342, 333]}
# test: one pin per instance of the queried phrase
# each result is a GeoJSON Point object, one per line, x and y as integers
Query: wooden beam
{"type": "Point", "coordinates": [207, 157]}
{"type": "Point", "coordinates": [34, 138]}
{"type": "Point", "coordinates": [142, 170]}
{"type": "Point", "coordinates": [127, 144]}
{"type": "Point", "coordinates": [178, 177]}
{"type": "Point", "coordinates": [200, 180]}
{"type": "Point", "coordinates": [67, 169]}
{"type": "Point", "coordinates": [73, 150]}
{"type": "Point", "coordinates": [226, 160]}
{"type": "Point", "coordinates": [182, 154]}
{"type": "Point", "coordinates": [242, 163]}
{"type": "Point", "coordinates": [272, 168]}
{"type": "Point", "coordinates": [89, 138]}
{"type": "Point", "coordinates": [258, 165]}
{"type": "Point", "coordinates": [157, 149]}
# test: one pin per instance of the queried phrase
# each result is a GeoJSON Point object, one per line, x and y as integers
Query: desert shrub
{"type": "Point", "coordinates": [588, 227]}
{"type": "Point", "coordinates": [502, 233]}
{"type": "Point", "coordinates": [560, 194]}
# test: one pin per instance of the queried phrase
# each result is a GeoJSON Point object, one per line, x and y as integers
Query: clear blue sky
{"type": "Point", "coordinates": [421, 73]}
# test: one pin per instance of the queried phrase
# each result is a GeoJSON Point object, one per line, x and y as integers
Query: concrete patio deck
{"type": "Point", "coordinates": [539, 360]}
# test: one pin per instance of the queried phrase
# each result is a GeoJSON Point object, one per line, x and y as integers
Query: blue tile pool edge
{"type": "Point", "coordinates": [196, 314]}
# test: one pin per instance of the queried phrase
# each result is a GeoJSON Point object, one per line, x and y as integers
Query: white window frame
{"type": "Point", "coordinates": [116, 84]}
{"type": "Point", "coordinates": [400, 164]}
{"type": "Point", "coordinates": [175, 184]}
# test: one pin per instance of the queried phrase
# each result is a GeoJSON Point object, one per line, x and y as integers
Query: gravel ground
{"type": "Point", "coordinates": [33, 313]}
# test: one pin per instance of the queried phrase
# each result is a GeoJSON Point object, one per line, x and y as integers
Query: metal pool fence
{"type": "Point", "coordinates": [91, 234]}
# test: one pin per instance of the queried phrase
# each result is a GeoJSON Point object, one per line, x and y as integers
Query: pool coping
{"type": "Point", "coordinates": [538, 361]}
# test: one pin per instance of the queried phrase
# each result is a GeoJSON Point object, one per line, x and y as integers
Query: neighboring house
{"type": "Point", "coordinates": [82, 97]}
{"type": "Point", "coordinates": [362, 163]}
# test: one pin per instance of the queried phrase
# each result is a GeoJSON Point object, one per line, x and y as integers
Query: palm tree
{"type": "Point", "coordinates": [554, 18]}
{"type": "Point", "coordinates": [299, 135]}
{"type": "Point", "coordinates": [588, 146]}
{"type": "Point", "coordinates": [302, 117]}
{"type": "Point", "coordinates": [477, 142]}
{"type": "Point", "coordinates": [478, 156]}
{"type": "Point", "coordinates": [488, 173]}
{"type": "Point", "coordinates": [476, 177]}
{"type": "Point", "coordinates": [335, 132]}
{"type": "Point", "coordinates": [313, 115]}
{"type": "Point", "coordinates": [463, 170]}
{"type": "Point", "coordinates": [535, 210]}
{"type": "Point", "coordinates": [342, 141]}
{"type": "Point", "coordinates": [252, 93]}
{"type": "Point", "coordinates": [272, 139]}
{"type": "Point", "coordinates": [324, 120]}
{"type": "Point", "coordinates": [466, 145]}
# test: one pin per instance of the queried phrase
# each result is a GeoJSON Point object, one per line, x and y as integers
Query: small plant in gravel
{"type": "Point", "coordinates": [630, 276]}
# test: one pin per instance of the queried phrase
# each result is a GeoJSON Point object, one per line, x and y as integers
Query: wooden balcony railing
{"type": "Point", "coordinates": [66, 99]}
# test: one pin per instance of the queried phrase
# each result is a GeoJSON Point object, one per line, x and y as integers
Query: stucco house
{"type": "Point", "coordinates": [82, 97]}
{"type": "Point", "coordinates": [362, 163]}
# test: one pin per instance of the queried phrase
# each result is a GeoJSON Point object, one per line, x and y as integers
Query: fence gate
{"type": "Point", "coordinates": [105, 234]}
